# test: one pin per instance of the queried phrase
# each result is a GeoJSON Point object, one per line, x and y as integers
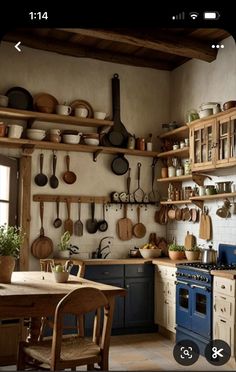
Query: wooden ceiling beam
{"type": "Point", "coordinates": [172, 44]}
{"type": "Point", "coordinates": [75, 50]}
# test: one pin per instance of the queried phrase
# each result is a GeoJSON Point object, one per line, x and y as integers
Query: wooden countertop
{"type": "Point", "coordinates": [228, 274]}
{"type": "Point", "coordinates": [167, 261]}
{"type": "Point", "coordinates": [127, 261]}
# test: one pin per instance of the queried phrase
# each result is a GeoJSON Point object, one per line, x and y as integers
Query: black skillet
{"type": "Point", "coordinates": [103, 225]}
{"type": "Point", "coordinates": [19, 98]}
{"type": "Point", "coordinates": [120, 165]}
{"type": "Point", "coordinates": [118, 134]}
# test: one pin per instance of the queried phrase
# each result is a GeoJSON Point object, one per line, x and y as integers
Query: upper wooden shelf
{"type": "Point", "coordinates": [181, 132]}
{"type": "Point", "coordinates": [175, 179]}
{"type": "Point", "coordinates": [29, 146]}
{"type": "Point", "coordinates": [175, 202]}
{"type": "Point", "coordinates": [180, 153]}
{"type": "Point", "coordinates": [215, 196]}
{"type": "Point", "coordinates": [10, 113]}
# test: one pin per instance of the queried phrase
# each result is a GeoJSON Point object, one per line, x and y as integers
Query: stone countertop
{"type": "Point", "coordinates": [228, 274]}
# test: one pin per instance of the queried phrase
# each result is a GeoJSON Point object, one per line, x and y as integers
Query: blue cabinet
{"type": "Point", "coordinates": [136, 309]}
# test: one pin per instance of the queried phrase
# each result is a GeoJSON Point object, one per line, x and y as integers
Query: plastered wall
{"type": "Point", "coordinates": [144, 106]}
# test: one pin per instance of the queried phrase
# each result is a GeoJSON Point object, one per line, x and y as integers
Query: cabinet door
{"type": "Point", "coordinates": [224, 330]}
{"type": "Point", "coordinates": [232, 158]}
{"type": "Point", "coordinates": [202, 145]}
{"type": "Point", "coordinates": [223, 141]}
{"type": "Point", "coordinates": [170, 315]}
{"type": "Point", "coordinates": [139, 302]}
{"type": "Point", "coordinates": [160, 294]}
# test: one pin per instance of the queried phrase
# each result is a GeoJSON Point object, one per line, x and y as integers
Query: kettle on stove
{"type": "Point", "coordinates": [209, 255]}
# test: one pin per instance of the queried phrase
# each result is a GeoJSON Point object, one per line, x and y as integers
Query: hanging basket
{"type": "Point", "coordinates": [7, 265]}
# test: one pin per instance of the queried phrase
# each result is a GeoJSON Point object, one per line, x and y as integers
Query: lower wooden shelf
{"type": "Point", "coordinates": [170, 202]}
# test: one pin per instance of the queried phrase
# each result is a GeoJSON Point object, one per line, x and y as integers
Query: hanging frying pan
{"type": "Point", "coordinates": [120, 165]}
{"type": "Point", "coordinates": [118, 134]}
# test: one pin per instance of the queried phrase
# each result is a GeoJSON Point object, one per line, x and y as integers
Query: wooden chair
{"type": "Point", "coordinates": [69, 352]}
{"type": "Point", "coordinates": [45, 266]}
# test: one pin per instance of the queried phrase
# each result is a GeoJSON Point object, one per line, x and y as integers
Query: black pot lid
{"type": "Point", "coordinates": [19, 98]}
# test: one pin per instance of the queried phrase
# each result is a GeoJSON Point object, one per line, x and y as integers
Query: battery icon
{"type": "Point", "coordinates": [211, 15]}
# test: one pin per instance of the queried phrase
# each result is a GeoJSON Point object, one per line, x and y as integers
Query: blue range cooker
{"type": "Point", "coordinates": [194, 285]}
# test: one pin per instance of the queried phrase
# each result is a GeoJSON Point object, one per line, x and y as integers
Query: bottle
{"type": "Point", "coordinates": [131, 142]}
{"type": "Point", "coordinates": [179, 170]}
{"type": "Point", "coordinates": [149, 142]}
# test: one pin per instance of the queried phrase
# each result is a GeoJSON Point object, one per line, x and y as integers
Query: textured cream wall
{"type": "Point", "coordinates": [194, 83]}
{"type": "Point", "coordinates": [144, 105]}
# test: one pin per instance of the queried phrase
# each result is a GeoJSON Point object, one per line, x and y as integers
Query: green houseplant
{"type": "Point", "coordinates": [64, 245]}
{"type": "Point", "coordinates": [176, 251]}
{"type": "Point", "coordinates": [193, 253]}
{"type": "Point", "coordinates": [11, 239]}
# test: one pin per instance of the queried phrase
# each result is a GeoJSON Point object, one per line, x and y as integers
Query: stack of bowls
{"type": "Point", "coordinates": [91, 139]}
{"type": "Point", "coordinates": [36, 134]}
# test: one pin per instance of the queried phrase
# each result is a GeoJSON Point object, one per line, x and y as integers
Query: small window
{"type": "Point", "coordinates": [8, 190]}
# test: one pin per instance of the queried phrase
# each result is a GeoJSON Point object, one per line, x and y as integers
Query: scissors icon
{"type": "Point", "coordinates": [217, 352]}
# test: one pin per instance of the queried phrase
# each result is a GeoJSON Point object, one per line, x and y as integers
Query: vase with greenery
{"type": "Point", "coordinates": [11, 239]}
{"type": "Point", "coordinates": [193, 253]}
{"type": "Point", "coordinates": [64, 245]}
{"type": "Point", "coordinates": [176, 251]}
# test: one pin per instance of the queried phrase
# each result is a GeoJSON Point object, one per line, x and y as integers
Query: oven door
{"type": "Point", "coordinates": [183, 304]}
{"type": "Point", "coordinates": [201, 310]}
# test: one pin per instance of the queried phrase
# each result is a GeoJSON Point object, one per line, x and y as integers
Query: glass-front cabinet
{"type": "Point", "coordinates": [202, 144]}
{"type": "Point", "coordinates": [213, 141]}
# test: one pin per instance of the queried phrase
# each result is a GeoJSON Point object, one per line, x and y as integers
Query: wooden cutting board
{"type": "Point", "coordinates": [208, 224]}
{"type": "Point", "coordinates": [190, 241]}
{"type": "Point", "coordinates": [125, 227]}
{"type": "Point", "coordinates": [202, 226]}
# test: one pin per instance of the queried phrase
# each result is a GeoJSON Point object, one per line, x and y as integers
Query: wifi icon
{"type": "Point", "coordinates": [193, 15]}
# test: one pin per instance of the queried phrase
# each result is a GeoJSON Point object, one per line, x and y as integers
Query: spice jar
{"type": "Point", "coordinates": [187, 167]}
{"type": "Point", "coordinates": [179, 170]}
{"type": "Point", "coordinates": [171, 171]}
{"type": "Point", "coordinates": [140, 144]}
{"type": "Point", "coordinates": [131, 142]}
{"type": "Point", "coordinates": [149, 142]}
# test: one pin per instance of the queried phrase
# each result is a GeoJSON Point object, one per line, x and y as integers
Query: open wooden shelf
{"type": "Point", "coordinates": [32, 116]}
{"type": "Point", "coordinates": [180, 133]}
{"type": "Point", "coordinates": [215, 196]}
{"type": "Point", "coordinates": [44, 145]}
{"type": "Point", "coordinates": [169, 202]}
{"type": "Point", "coordinates": [180, 153]}
{"type": "Point", "coordinates": [175, 179]}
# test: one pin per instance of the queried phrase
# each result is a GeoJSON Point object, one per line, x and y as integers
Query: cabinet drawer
{"type": "Point", "coordinates": [104, 271]}
{"type": "Point", "coordinates": [224, 286]}
{"type": "Point", "coordinates": [138, 270]}
{"type": "Point", "coordinates": [224, 307]}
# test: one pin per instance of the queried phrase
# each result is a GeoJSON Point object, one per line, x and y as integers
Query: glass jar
{"type": "Point", "coordinates": [131, 142]}
{"type": "Point", "coordinates": [179, 170]}
{"type": "Point", "coordinates": [171, 171]}
{"type": "Point", "coordinates": [187, 167]}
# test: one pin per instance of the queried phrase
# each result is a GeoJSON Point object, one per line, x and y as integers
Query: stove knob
{"type": "Point", "coordinates": [195, 277]}
{"type": "Point", "coordinates": [201, 278]}
{"type": "Point", "coordinates": [207, 280]}
{"type": "Point", "coordinates": [189, 276]}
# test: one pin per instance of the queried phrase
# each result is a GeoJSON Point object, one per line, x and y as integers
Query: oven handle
{"type": "Point", "coordinates": [181, 282]}
{"type": "Point", "coordinates": [200, 287]}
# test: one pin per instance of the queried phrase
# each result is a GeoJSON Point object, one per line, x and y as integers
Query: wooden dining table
{"type": "Point", "coordinates": [33, 294]}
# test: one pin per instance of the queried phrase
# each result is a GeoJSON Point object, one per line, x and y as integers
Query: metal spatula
{"type": "Point", "coordinates": [78, 226]}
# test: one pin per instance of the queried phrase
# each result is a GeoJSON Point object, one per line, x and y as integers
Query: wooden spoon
{"type": "Point", "coordinates": [139, 230]}
{"type": "Point", "coordinates": [57, 222]}
{"type": "Point", "coordinates": [68, 224]}
{"type": "Point", "coordinates": [53, 179]}
{"type": "Point", "coordinates": [69, 177]}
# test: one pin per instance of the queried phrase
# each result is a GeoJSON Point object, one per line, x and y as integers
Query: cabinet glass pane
{"type": "Point", "coordinates": [209, 143]}
{"type": "Point", "coordinates": [4, 213]}
{"type": "Point", "coordinates": [233, 139]}
{"type": "Point", "coordinates": [201, 303]}
{"type": "Point", "coordinates": [184, 298]}
{"type": "Point", "coordinates": [224, 141]}
{"type": "Point", "coordinates": [5, 179]}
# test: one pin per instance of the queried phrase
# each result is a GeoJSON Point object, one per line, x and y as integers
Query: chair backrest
{"type": "Point", "coordinates": [79, 302]}
{"type": "Point", "coordinates": [45, 265]}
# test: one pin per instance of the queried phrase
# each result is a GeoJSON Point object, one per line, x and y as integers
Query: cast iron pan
{"type": "Point", "coordinates": [120, 165]}
{"type": "Point", "coordinates": [118, 134]}
{"type": "Point", "coordinates": [20, 98]}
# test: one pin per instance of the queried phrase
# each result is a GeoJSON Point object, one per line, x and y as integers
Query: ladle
{"type": "Point", "coordinates": [57, 222]}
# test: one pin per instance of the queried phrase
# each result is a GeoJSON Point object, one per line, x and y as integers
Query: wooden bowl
{"type": "Point", "coordinates": [228, 105]}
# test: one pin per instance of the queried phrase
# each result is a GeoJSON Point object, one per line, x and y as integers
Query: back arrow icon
{"type": "Point", "coordinates": [17, 46]}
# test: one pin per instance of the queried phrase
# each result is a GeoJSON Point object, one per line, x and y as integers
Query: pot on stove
{"type": "Point", "coordinates": [209, 256]}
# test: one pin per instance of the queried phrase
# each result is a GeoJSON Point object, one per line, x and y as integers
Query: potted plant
{"type": "Point", "coordinates": [64, 245]}
{"type": "Point", "coordinates": [193, 253]}
{"type": "Point", "coordinates": [11, 239]}
{"type": "Point", "coordinates": [176, 252]}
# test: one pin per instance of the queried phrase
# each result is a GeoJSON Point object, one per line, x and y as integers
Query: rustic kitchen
{"type": "Point", "coordinates": [117, 163]}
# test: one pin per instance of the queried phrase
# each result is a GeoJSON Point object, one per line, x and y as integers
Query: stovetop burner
{"type": "Point", "coordinates": [207, 267]}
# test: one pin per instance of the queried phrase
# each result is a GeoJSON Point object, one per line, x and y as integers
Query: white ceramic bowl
{"type": "Point", "coordinates": [206, 112]}
{"type": "Point", "coordinates": [99, 115]}
{"type": "Point", "coordinates": [36, 134]}
{"type": "Point", "coordinates": [71, 138]}
{"type": "Point", "coordinates": [91, 141]}
{"type": "Point", "coordinates": [150, 253]}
